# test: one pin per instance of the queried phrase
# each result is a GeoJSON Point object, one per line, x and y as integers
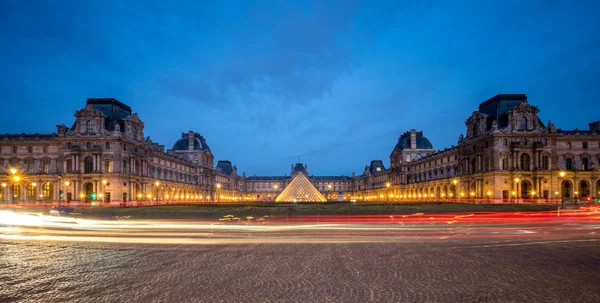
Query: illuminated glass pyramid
{"type": "Point", "coordinates": [300, 189]}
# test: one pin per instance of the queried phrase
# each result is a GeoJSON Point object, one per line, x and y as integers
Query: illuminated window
{"type": "Point", "coordinates": [504, 162]}
{"type": "Point", "coordinates": [584, 163]}
{"type": "Point", "coordinates": [45, 167]}
{"type": "Point", "coordinates": [47, 190]}
{"type": "Point", "coordinates": [29, 167]}
{"type": "Point", "coordinates": [107, 166]}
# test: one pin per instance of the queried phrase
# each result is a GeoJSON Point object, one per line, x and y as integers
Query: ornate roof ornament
{"type": "Point", "coordinates": [89, 112]}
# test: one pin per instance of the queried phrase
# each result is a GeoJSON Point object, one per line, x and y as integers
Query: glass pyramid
{"type": "Point", "coordinates": [300, 189]}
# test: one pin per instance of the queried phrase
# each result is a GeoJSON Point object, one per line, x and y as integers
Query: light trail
{"type": "Point", "coordinates": [308, 229]}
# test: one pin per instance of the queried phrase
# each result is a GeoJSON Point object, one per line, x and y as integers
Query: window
{"type": "Point", "coordinates": [45, 149]}
{"type": "Point", "coordinates": [569, 163]}
{"type": "Point", "coordinates": [585, 145]}
{"type": "Point", "coordinates": [523, 123]}
{"type": "Point", "coordinates": [69, 165]}
{"type": "Point", "coordinates": [90, 127]}
{"type": "Point", "coordinates": [124, 147]}
{"type": "Point", "coordinates": [88, 164]}
{"type": "Point", "coordinates": [505, 142]}
{"type": "Point", "coordinates": [568, 145]}
{"type": "Point", "coordinates": [45, 167]}
{"type": "Point", "coordinates": [14, 149]}
{"type": "Point", "coordinates": [88, 145]}
{"type": "Point", "coordinates": [107, 166]}
{"type": "Point", "coordinates": [29, 149]}
{"type": "Point", "coordinates": [69, 145]}
{"type": "Point", "coordinates": [525, 161]}
{"type": "Point", "coordinates": [124, 166]}
{"type": "Point", "coordinates": [545, 162]}
{"type": "Point", "coordinates": [584, 163]}
{"type": "Point", "coordinates": [107, 145]}
{"type": "Point", "coordinates": [504, 162]}
{"type": "Point", "coordinates": [29, 167]}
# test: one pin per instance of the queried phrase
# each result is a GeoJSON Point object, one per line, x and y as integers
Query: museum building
{"type": "Point", "coordinates": [507, 154]}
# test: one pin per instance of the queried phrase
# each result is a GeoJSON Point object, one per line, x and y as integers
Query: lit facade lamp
{"type": "Point", "coordinates": [217, 194]}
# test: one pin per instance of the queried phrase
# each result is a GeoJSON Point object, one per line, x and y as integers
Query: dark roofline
{"type": "Point", "coordinates": [112, 101]}
{"type": "Point", "coordinates": [501, 97]}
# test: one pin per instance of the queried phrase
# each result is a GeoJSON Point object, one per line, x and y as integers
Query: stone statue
{"type": "Point", "coordinates": [495, 125]}
{"type": "Point", "coordinates": [461, 138]}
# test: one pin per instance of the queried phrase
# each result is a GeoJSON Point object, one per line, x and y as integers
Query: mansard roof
{"type": "Point", "coordinates": [225, 167]}
{"type": "Point", "coordinates": [422, 141]}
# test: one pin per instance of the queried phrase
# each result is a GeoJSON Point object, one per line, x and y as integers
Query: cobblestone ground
{"type": "Point", "coordinates": [436, 271]}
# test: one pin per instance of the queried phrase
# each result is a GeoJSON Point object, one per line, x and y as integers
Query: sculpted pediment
{"type": "Point", "coordinates": [89, 111]}
{"type": "Point", "coordinates": [525, 108]}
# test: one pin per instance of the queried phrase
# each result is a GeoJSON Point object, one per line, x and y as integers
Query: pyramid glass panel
{"type": "Point", "coordinates": [300, 190]}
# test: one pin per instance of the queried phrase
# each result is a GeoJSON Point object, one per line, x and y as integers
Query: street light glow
{"type": "Point", "coordinates": [562, 174]}
{"type": "Point", "coordinates": [13, 171]}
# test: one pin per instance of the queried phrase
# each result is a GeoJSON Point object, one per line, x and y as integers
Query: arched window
{"type": "Point", "coordinates": [88, 164]}
{"type": "Point", "coordinates": [585, 145]}
{"type": "Point", "coordinates": [89, 126]}
{"type": "Point", "coordinates": [525, 161]}
{"type": "Point", "coordinates": [523, 123]}
{"type": "Point", "coordinates": [504, 162]}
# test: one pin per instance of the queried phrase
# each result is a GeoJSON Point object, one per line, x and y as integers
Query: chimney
{"type": "Point", "coordinates": [190, 140]}
{"type": "Point", "coordinates": [413, 139]}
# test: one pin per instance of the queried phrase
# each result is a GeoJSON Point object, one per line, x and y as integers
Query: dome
{"type": "Point", "coordinates": [422, 141]}
{"type": "Point", "coordinates": [183, 143]}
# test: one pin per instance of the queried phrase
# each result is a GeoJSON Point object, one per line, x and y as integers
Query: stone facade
{"type": "Point", "coordinates": [508, 154]}
{"type": "Point", "coordinates": [104, 156]}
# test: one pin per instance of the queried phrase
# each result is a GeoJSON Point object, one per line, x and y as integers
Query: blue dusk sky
{"type": "Point", "coordinates": [269, 83]}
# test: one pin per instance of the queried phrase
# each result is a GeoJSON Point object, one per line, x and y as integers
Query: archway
{"type": "Point", "coordinates": [526, 189]}
{"type": "Point", "coordinates": [47, 190]}
{"type": "Point", "coordinates": [598, 189]}
{"type": "Point", "coordinates": [137, 192]}
{"type": "Point", "coordinates": [566, 188]}
{"type": "Point", "coordinates": [31, 191]}
{"type": "Point", "coordinates": [88, 189]}
{"type": "Point", "coordinates": [584, 188]}
{"type": "Point", "coordinates": [16, 192]}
